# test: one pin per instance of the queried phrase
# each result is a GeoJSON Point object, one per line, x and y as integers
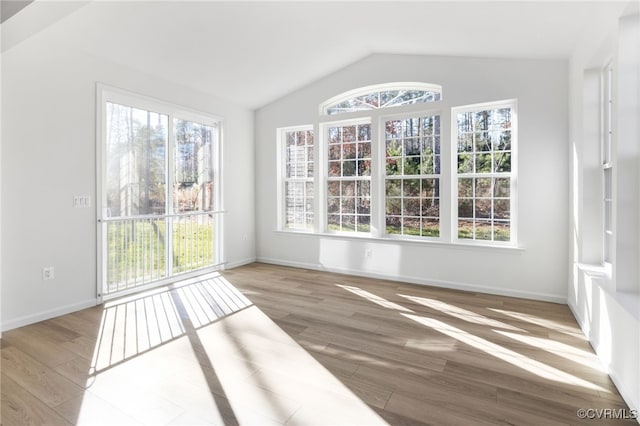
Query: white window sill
{"type": "Point", "coordinates": [296, 231]}
{"type": "Point", "coordinates": [426, 242]}
{"type": "Point", "coordinates": [602, 271]}
{"type": "Point", "coordinates": [602, 276]}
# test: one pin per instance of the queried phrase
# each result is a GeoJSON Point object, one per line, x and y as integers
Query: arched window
{"type": "Point", "coordinates": [377, 164]}
{"type": "Point", "coordinates": [409, 170]}
{"type": "Point", "coordinates": [381, 96]}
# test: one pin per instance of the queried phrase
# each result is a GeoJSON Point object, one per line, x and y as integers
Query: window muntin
{"type": "Point", "coordinates": [349, 177]}
{"type": "Point", "coordinates": [381, 173]}
{"type": "Point", "coordinates": [412, 169]}
{"type": "Point", "coordinates": [382, 96]}
{"type": "Point", "coordinates": [607, 166]}
{"type": "Point", "coordinates": [484, 137]}
{"type": "Point", "coordinates": [298, 178]}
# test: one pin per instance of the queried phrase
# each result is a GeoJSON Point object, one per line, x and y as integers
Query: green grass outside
{"type": "Point", "coordinates": [426, 232]}
{"type": "Point", "coordinates": [136, 250]}
{"type": "Point", "coordinates": [192, 246]}
{"type": "Point", "coordinates": [500, 233]}
{"type": "Point", "coordinates": [336, 227]}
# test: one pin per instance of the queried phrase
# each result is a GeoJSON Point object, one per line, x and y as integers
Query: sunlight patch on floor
{"type": "Point", "coordinates": [265, 374]}
{"type": "Point", "coordinates": [542, 322]}
{"type": "Point", "coordinates": [561, 349]}
{"type": "Point", "coordinates": [460, 313]}
{"type": "Point", "coordinates": [136, 324]}
{"type": "Point", "coordinates": [532, 366]}
{"type": "Point", "coordinates": [205, 346]}
{"type": "Point", "coordinates": [380, 301]}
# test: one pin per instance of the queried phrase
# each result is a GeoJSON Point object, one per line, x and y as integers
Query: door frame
{"type": "Point", "coordinates": [106, 93]}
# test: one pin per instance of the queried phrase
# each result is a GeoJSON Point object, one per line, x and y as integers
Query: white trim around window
{"type": "Point", "coordinates": [484, 170]}
{"type": "Point", "coordinates": [412, 153]}
{"type": "Point", "coordinates": [350, 174]}
{"type": "Point", "coordinates": [346, 168]}
{"type": "Point", "coordinates": [606, 146]}
{"type": "Point", "coordinates": [296, 179]}
{"type": "Point", "coordinates": [381, 96]}
{"type": "Point", "coordinates": [167, 214]}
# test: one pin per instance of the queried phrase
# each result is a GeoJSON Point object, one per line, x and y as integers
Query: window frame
{"type": "Point", "coordinates": [447, 178]}
{"type": "Point", "coordinates": [377, 118]}
{"type": "Point", "coordinates": [513, 174]}
{"type": "Point", "coordinates": [323, 147]}
{"type": "Point", "coordinates": [383, 119]}
{"type": "Point", "coordinates": [283, 179]}
{"type": "Point", "coordinates": [344, 96]}
{"type": "Point", "coordinates": [607, 136]}
{"type": "Point", "coordinates": [110, 94]}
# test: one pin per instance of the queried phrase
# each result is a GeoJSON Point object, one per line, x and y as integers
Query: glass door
{"type": "Point", "coordinates": [160, 198]}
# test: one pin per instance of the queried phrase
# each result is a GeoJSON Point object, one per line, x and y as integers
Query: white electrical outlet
{"type": "Point", "coordinates": [48, 273]}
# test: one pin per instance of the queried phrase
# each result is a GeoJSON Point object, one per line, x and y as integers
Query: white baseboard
{"type": "Point", "coordinates": [301, 265]}
{"type": "Point", "coordinates": [231, 265]}
{"type": "Point", "coordinates": [628, 397]}
{"type": "Point", "coordinates": [633, 401]}
{"type": "Point", "coordinates": [562, 299]}
{"type": "Point", "coordinates": [43, 316]}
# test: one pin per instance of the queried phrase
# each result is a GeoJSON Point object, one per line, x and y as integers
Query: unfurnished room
{"type": "Point", "coordinates": [320, 212]}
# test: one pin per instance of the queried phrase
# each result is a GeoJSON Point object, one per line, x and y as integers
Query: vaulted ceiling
{"type": "Point", "coordinates": [255, 52]}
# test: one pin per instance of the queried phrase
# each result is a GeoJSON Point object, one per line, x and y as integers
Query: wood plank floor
{"type": "Point", "coordinates": [263, 344]}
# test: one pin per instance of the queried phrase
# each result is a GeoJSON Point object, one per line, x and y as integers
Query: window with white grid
{"type": "Point", "coordinates": [382, 96]}
{"type": "Point", "coordinates": [485, 171]}
{"type": "Point", "coordinates": [412, 176]}
{"type": "Point", "coordinates": [387, 168]}
{"type": "Point", "coordinates": [297, 182]}
{"type": "Point", "coordinates": [349, 177]}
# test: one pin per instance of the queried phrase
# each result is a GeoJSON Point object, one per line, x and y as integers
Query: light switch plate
{"type": "Point", "coordinates": [81, 201]}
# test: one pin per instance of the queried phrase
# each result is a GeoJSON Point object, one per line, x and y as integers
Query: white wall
{"type": "Point", "coordinates": [538, 270]}
{"type": "Point", "coordinates": [607, 306]}
{"type": "Point", "coordinates": [49, 149]}
{"type": "Point", "coordinates": [0, 190]}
